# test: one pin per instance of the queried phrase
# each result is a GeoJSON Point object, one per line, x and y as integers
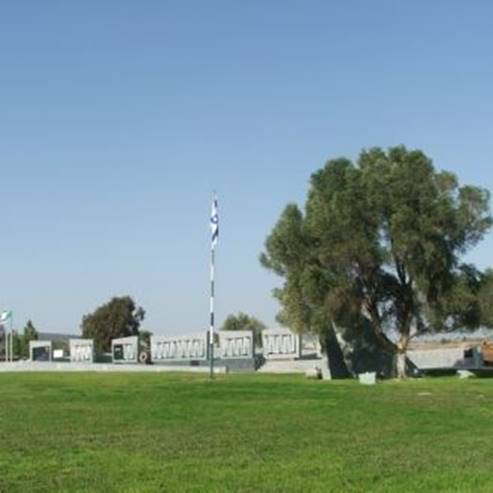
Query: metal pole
{"type": "Point", "coordinates": [8, 337]}
{"type": "Point", "coordinates": [12, 337]}
{"type": "Point", "coordinates": [211, 328]}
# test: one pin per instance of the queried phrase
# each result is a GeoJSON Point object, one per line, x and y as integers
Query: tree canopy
{"type": "Point", "coordinates": [30, 334]}
{"type": "Point", "coordinates": [380, 247]}
{"type": "Point", "coordinates": [486, 298]}
{"type": "Point", "coordinates": [120, 317]}
{"type": "Point", "coordinates": [242, 321]}
{"type": "Point", "coordinates": [145, 339]}
{"type": "Point", "coordinates": [20, 342]}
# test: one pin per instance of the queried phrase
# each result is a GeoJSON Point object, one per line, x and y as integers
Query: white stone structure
{"type": "Point", "coordinates": [125, 350]}
{"type": "Point", "coordinates": [446, 358]}
{"type": "Point", "coordinates": [179, 348]}
{"type": "Point", "coordinates": [58, 354]}
{"type": "Point", "coordinates": [40, 350]}
{"type": "Point", "coordinates": [281, 344]}
{"type": "Point", "coordinates": [368, 378]}
{"type": "Point", "coordinates": [81, 350]}
{"type": "Point", "coordinates": [235, 344]}
{"type": "Point", "coordinates": [310, 346]}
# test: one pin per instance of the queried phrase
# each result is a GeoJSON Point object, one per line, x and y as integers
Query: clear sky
{"type": "Point", "coordinates": [119, 118]}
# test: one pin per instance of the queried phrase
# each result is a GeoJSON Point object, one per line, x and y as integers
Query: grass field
{"type": "Point", "coordinates": [252, 433]}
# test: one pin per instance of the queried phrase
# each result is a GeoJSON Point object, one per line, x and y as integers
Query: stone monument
{"type": "Point", "coordinates": [40, 350]}
{"type": "Point", "coordinates": [179, 348]}
{"type": "Point", "coordinates": [236, 344]}
{"type": "Point", "coordinates": [281, 344]}
{"type": "Point", "coordinates": [81, 350]}
{"type": "Point", "coordinates": [125, 349]}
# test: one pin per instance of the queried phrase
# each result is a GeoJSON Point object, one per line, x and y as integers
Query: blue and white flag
{"type": "Point", "coordinates": [214, 223]}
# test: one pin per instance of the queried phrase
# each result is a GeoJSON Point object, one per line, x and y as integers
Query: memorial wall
{"type": "Point", "coordinates": [179, 348]}
{"type": "Point", "coordinates": [125, 349]}
{"type": "Point", "coordinates": [81, 350]}
{"type": "Point", "coordinates": [40, 350]}
{"type": "Point", "coordinates": [281, 344]}
{"type": "Point", "coordinates": [235, 344]}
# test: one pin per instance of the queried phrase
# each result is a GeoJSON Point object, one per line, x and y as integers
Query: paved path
{"type": "Point", "coordinates": [28, 366]}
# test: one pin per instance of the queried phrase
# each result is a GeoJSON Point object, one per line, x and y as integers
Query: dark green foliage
{"type": "Point", "coordinates": [145, 339]}
{"type": "Point", "coordinates": [17, 345]}
{"type": "Point", "coordinates": [21, 341]}
{"type": "Point", "coordinates": [120, 317]}
{"type": "Point", "coordinates": [486, 297]}
{"type": "Point", "coordinates": [242, 321]}
{"type": "Point", "coordinates": [379, 247]}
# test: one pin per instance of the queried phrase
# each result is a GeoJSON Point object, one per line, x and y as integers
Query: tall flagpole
{"type": "Point", "coordinates": [8, 331]}
{"type": "Point", "coordinates": [211, 326]}
{"type": "Point", "coordinates": [214, 223]}
{"type": "Point", "coordinates": [12, 337]}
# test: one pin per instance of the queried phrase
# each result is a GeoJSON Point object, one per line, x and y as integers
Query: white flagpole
{"type": "Point", "coordinates": [7, 341]}
{"type": "Point", "coordinates": [11, 337]}
{"type": "Point", "coordinates": [214, 222]}
{"type": "Point", "coordinates": [211, 326]}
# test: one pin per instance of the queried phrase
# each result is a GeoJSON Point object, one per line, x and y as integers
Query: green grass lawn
{"type": "Point", "coordinates": [252, 433]}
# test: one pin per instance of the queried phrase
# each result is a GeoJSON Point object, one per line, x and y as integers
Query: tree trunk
{"type": "Point", "coordinates": [402, 357]}
{"type": "Point", "coordinates": [333, 350]}
{"type": "Point", "coordinates": [401, 365]}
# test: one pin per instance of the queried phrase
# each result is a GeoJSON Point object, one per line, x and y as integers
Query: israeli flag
{"type": "Point", "coordinates": [5, 316]}
{"type": "Point", "coordinates": [214, 223]}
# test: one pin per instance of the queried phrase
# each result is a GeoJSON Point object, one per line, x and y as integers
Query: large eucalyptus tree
{"type": "Point", "coordinates": [380, 247]}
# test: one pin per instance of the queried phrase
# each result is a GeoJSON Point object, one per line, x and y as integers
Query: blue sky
{"type": "Point", "coordinates": [119, 118]}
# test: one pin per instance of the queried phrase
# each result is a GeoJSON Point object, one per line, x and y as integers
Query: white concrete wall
{"type": "Point", "coordinates": [40, 344]}
{"type": "Point", "coordinates": [426, 359]}
{"type": "Point", "coordinates": [280, 344]}
{"type": "Point", "coordinates": [81, 350]}
{"type": "Point", "coordinates": [179, 348]}
{"type": "Point", "coordinates": [235, 344]}
{"type": "Point", "coordinates": [130, 349]}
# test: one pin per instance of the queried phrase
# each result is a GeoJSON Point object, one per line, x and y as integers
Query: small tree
{"type": "Point", "coordinates": [17, 345]}
{"type": "Point", "coordinates": [120, 317]}
{"type": "Point", "coordinates": [379, 248]}
{"type": "Point", "coordinates": [30, 334]}
{"type": "Point", "coordinates": [242, 321]}
{"type": "Point", "coordinates": [145, 338]}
